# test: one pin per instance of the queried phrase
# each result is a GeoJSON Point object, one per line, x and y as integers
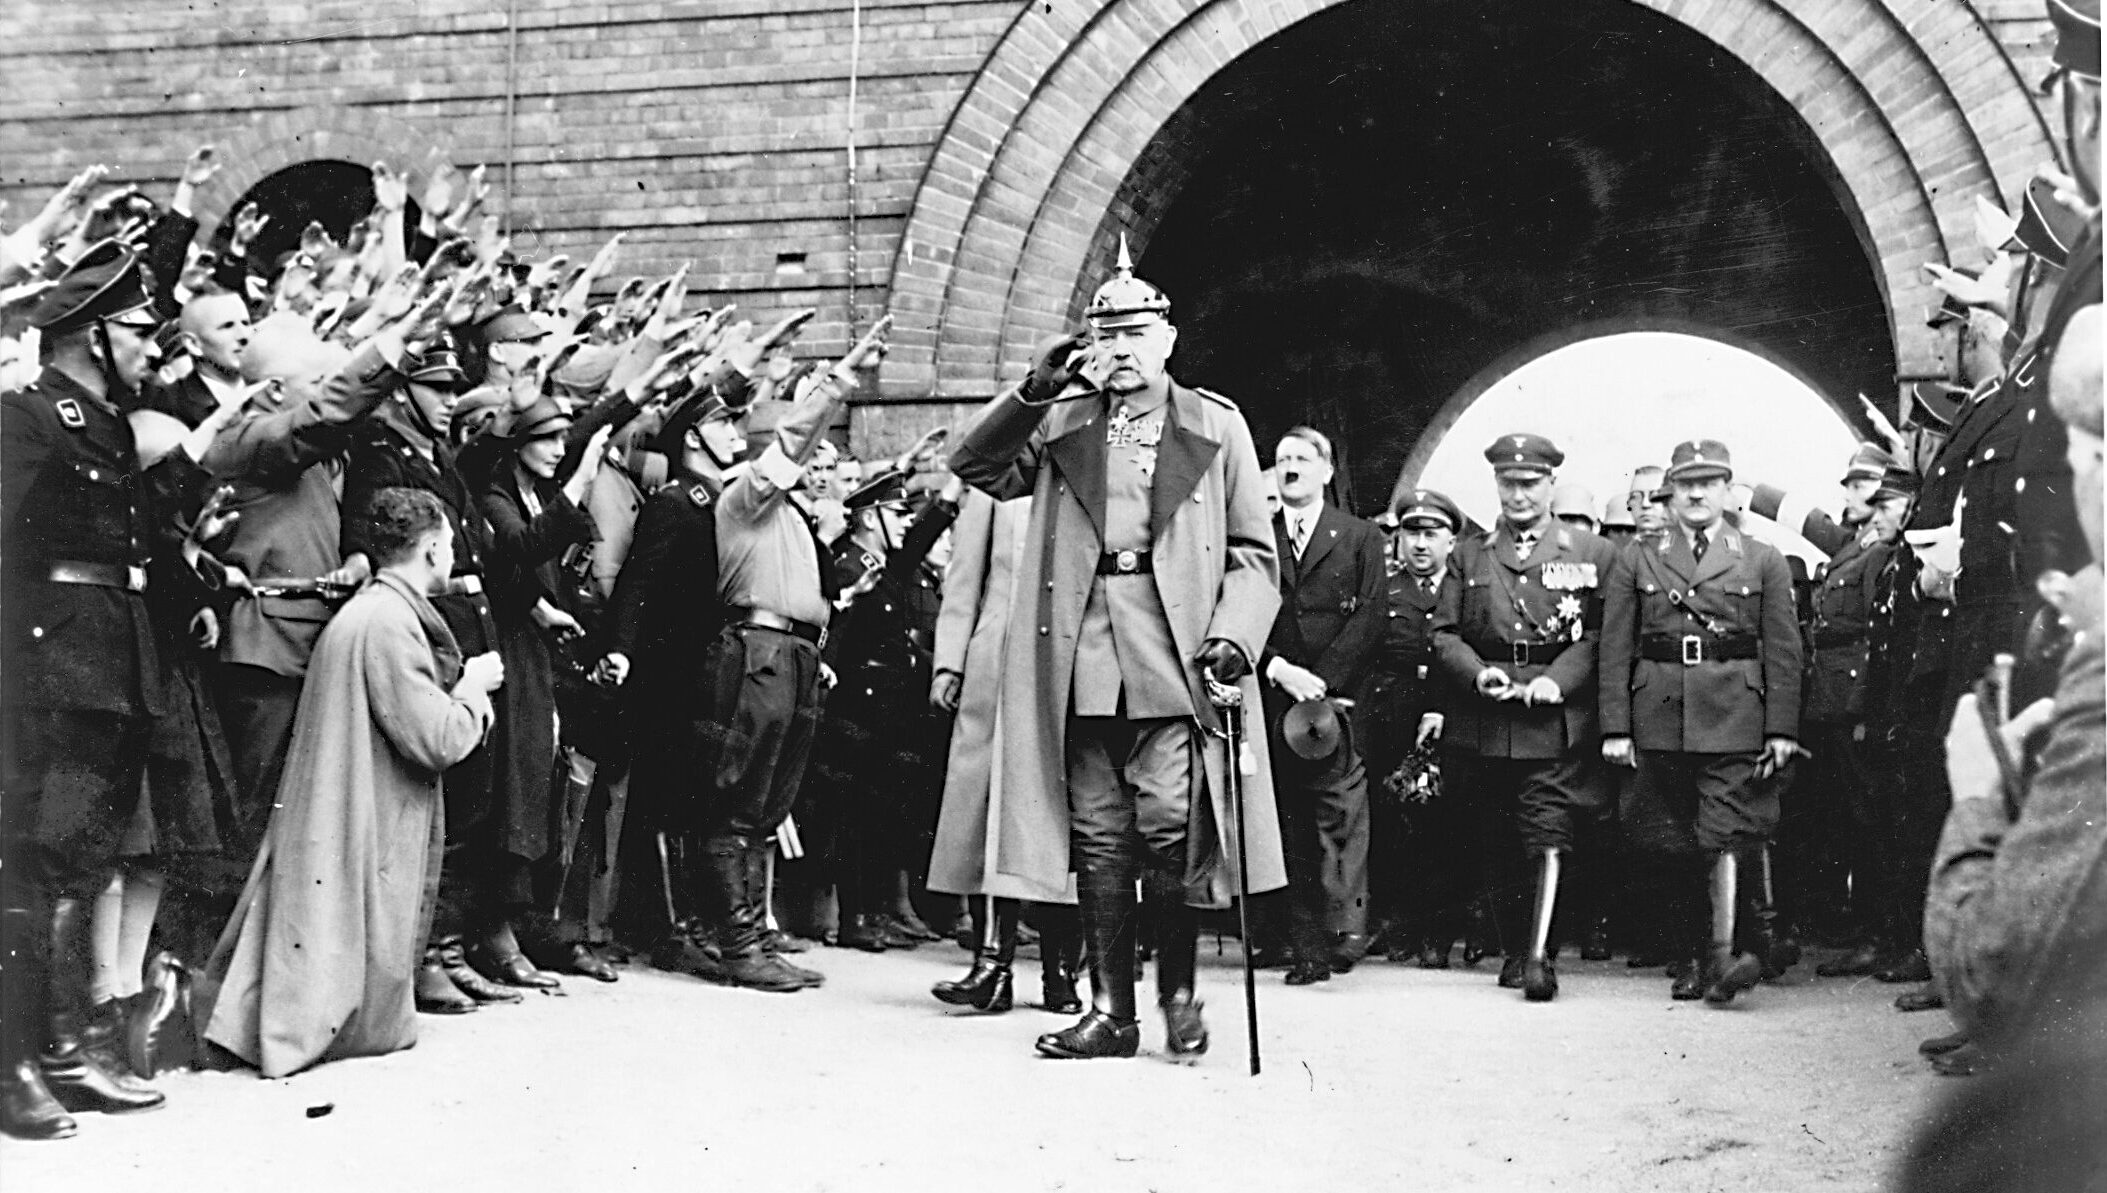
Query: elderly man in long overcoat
{"type": "Point", "coordinates": [1149, 562]}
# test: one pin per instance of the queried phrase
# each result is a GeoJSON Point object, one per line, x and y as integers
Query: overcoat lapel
{"type": "Point", "coordinates": [1181, 460]}
{"type": "Point", "coordinates": [1079, 453]}
{"type": "Point", "coordinates": [1504, 550]}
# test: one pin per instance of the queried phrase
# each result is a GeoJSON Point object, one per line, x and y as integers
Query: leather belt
{"type": "Point", "coordinates": [764, 619]}
{"type": "Point", "coordinates": [1692, 649]}
{"type": "Point", "coordinates": [1521, 654]}
{"type": "Point", "coordinates": [1125, 563]}
{"type": "Point", "coordinates": [1824, 638]}
{"type": "Point", "coordinates": [129, 576]}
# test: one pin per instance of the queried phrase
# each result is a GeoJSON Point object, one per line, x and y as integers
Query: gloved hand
{"type": "Point", "coordinates": [1053, 366]}
{"type": "Point", "coordinates": [1221, 657]}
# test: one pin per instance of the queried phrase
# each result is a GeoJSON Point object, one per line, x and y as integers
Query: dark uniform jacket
{"type": "Point", "coordinates": [1838, 637]}
{"type": "Point", "coordinates": [383, 457]}
{"type": "Point", "coordinates": [1331, 600]}
{"type": "Point", "coordinates": [663, 616]}
{"type": "Point", "coordinates": [1659, 599]}
{"type": "Point", "coordinates": [72, 496]}
{"type": "Point", "coordinates": [1528, 619]}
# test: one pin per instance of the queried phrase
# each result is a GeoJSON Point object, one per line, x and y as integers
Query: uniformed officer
{"type": "Point", "coordinates": [83, 678]}
{"type": "Point", "coordinates": [661, 621]}
{"type": "Point", "coordinates": [881, 752]}
{"type": "Point", "coordinates": [1700, 683]}
{"type": "Point", "coordinates": [1517, 640]}
{"type": "Point", "coordinates": [1331, 612]}
{"type": "Point", "coordinates": [1148, 565]}
{"type": "Point", "coordinates": [765, 671]}
{"type": "Point", "coordinates": [1426, 844]}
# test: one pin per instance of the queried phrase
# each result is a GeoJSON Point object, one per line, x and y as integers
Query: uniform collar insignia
{"type": "Point", "coordinates": [69, 413]}
{"type": "Point", "coordinates": [700, 495]}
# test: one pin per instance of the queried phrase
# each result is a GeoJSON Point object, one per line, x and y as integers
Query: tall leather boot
{"type": "Point", "coordinates": [1060, 958]}
{"type": "Point", "coordinates": [739, 949]}
{"type": "Point", "coordinates": [1539, 977]}
{"type": "Point", "coordinates": [71, 1071]}
{"type": "Point", "coordinates": [1177, 960]}
{"type": "Point", "coordinates": [988, 986]}
{"type": "Point", "coordinates": [1109, 1028]}
{"type": "Point", "coordinates": [1774, 944]}
{"type": "Point", "coordinates": [1510, 915]}
{"type": "Point", "coordinates": [759, 859]}
{"type": "Point", "coordinates": [1729, 970]}
{"type": "Point", "coordinates": [27, 1109]}
{"type": "Point", "coordinates": [1687, 918]}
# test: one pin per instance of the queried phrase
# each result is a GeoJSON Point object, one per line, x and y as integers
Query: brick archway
{"type": "Point", "coordinates": [359, 135]}
{"type": "Point", "coordinates": [1913, 102]}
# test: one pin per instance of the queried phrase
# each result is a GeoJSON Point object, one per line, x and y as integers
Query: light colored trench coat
{"type": "Point", "coordinates": [1217, 573]}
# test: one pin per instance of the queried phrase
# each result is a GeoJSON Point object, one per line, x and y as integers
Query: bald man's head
{"type": "Point", "coordinates": [2074, 392]}
{"type": "Point", "coordinates": [217, 323]}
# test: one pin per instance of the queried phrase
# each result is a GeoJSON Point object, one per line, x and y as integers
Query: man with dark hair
{"type": "Point", "coordinates": [320, 961]}
{"type": "Point", "coordinates": [1331, 612]}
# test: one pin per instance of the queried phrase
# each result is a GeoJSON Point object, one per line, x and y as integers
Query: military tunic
{"type": "Point", "coordinates": [1701, 664]}
{"type": "Point", "coordinates": [83, 678]}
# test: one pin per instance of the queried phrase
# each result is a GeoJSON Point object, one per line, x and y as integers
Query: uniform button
{"type": "Point", "coordinates": [94, 475]}
{"type": "Point", "coordinates": [1043, 631]}
{"type": "Point", "coordinates": [1989, 453]}
{"type": "Point", "coordinates": [36, 632]}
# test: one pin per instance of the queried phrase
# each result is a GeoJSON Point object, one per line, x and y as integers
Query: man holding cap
{"type": "Point", "coordinates": [1331, 583]}
{"type": "Point", "coordinates": [1701, 694]}
{"type": "Point", "coordinates": [1518, 638]}
{"type": "Point", "coordinates": [1427, 860]}
{"type": "Point", "coordinates": [1148, 565]}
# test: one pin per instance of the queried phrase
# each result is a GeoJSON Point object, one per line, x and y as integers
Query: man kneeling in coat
{"type": "Point", "coordinates": [1149, 562]}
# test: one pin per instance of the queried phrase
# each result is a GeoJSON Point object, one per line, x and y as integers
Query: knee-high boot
{"type": "Point", "coordinates": [1177, 958]}
{"type": "Point", "coordinates": [27, 1108]}
{"type": "Point", "coordinates": [739, 951]}
{"type": "Point", "coordinates": [1108, 1029]}
{"type": "Point", "coordinates": [1060, 957]}
{"type": "Point", "coordinates": [1539, 977]}
{"type": "Point", "coordinates": [1730, 969]}
{"type": "Point", "coordinates": [988, 986]}
{"type": "Point", "coordinates": [760, 858]}
{"type": "Point", "coordinates": [76, 1078]}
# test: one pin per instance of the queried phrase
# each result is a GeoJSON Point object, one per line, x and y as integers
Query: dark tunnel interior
{"type": "Point", "coordinates": [1356, 218]}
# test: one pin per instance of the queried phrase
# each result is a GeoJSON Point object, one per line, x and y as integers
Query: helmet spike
{"type": "Point", "coordinates": [1125, 299]}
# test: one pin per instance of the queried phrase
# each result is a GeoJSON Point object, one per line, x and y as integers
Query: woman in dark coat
{"type": "Point", "coordinates": [534, 518]}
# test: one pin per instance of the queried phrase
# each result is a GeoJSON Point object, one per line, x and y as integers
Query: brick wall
{"type": "Point", "coordinates": [707, 130]}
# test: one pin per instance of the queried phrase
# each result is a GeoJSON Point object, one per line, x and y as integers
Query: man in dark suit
{"type": "Point", "coordinates": [1517, 638]}
{"type": "Point", "coordinates": [1424, 846]}
{"type": "Point", "coordinates": [1700, 682]}
{"type": "Point", "coordinates": [1331, 613]}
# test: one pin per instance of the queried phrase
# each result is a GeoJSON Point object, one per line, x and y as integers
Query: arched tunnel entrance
{"type": "Point", "coordinates": [1372, 207]}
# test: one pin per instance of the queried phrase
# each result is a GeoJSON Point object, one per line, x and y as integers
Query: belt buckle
{"type": "Point", "coordinates": [135, 577]}
{"type": "Point", "coordinates": [1127, 562]}
{"type": "Point", "coordinates": [1693, 650]}
{"type": "Point", "coordinates": [1518, 653]}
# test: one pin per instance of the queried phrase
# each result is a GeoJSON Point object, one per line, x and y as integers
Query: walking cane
{"type": "Point", "coordinates": [1228, 700]}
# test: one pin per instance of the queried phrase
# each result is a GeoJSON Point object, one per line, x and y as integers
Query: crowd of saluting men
{"type": "Point", "coordinates": [396, 623]}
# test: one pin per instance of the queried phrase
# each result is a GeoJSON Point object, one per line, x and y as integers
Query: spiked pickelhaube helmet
{"type": "Point", "coordinates": [1125, 300]}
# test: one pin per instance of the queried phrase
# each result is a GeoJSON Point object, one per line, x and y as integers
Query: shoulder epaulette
{"type": "Point", "coordinates": [1210, 394]}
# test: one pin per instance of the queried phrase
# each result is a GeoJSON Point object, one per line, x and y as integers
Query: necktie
{"type": "Point", "coordinates": [1299, 531]}
{"type": "Point", "coordinates": [1426, 585]}
{"type": "Point", "coordinates": [1702, 541]}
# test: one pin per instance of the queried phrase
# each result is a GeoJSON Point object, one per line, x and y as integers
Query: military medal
{"type": "Point", "coordinates": [1123, 430]}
